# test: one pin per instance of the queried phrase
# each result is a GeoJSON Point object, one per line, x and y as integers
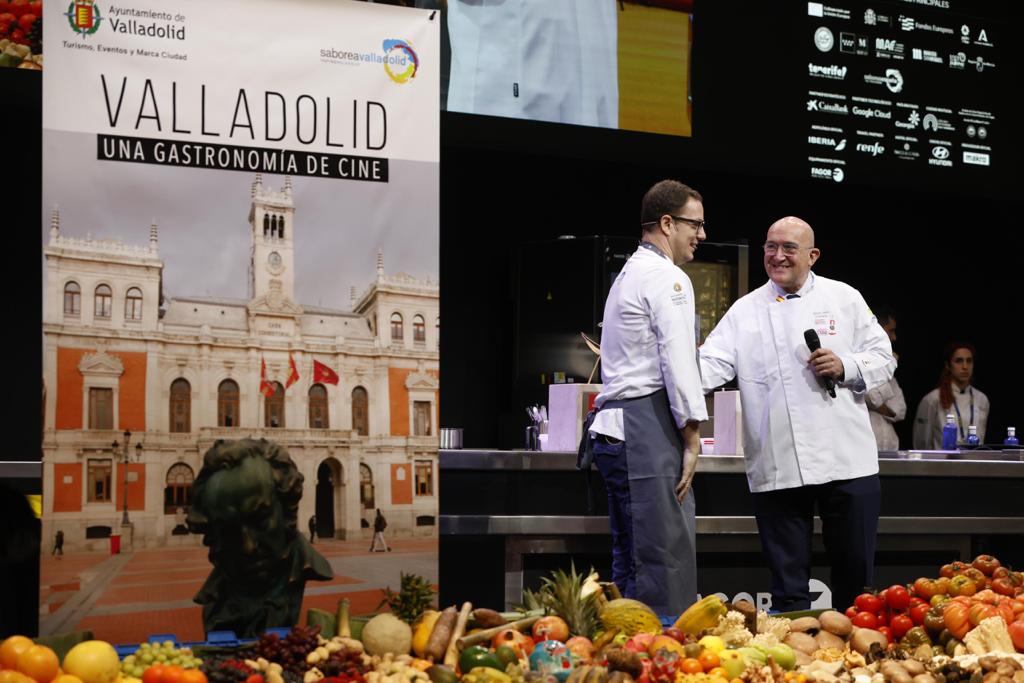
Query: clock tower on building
{"type": "Point", "coordinates": [272, 259]}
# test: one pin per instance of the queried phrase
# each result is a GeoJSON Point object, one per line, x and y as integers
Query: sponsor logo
{"type": "Point", "coordinates": [965, 31]}
{"type": "Point", "coordinates": [873, 149]}
{"type": "Point", "coordinates": [933, 122]}
{"type": "Point", "coordinates": [827, 107]}
{"type": "Point", "coordinates": [832, 71]}
{"type": "Point", "coordinates": [957, 61]}
{"type": "Point", "coordinates": [853, 44]}
{"type": "Point", "coordinates": [906, 23]}
{"type": "Point", "coordinates": [870, 18]}
{"type": "Point", "coordinates": [823, 39]}
{"type": "Point", "coordinates": [982, 132]}
{"type": "Point", "coordinates": [817, 9]}
{"type": "Point", "coordinates": [976, 158]}
{"type": "Point", "coordinates": [982, 39]}
{"type": "Point", "coordinates": [401, 61]}
{"type": "Point", "coordinates": [893, 80]}
{"type": "Point", "coordinates": [827, 142]}
{"type": "Point", "coordinates": [913, 118]}
{"type": "Point", "coordinates": [940, 156]}
{"type": "Point", "coordinates": [84, 17]}
{"type": "Point", "coordinates": [971, 131]}
{"type": "Point", "coordinates": [980, 64]}
{"type": "Point", "coordinates": [869, 113]}
{"type": "Point", "coordinates": [889, 48]}
{"type": "Point", "coordinates": [906, 152]}
{"type": "Point", "coordinates": [835, 174]}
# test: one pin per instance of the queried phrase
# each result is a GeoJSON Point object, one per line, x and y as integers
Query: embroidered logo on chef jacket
{"type": "Point", "coordinates": [679, 298]}
{"type": "Point", "coordinates": [825, 323]}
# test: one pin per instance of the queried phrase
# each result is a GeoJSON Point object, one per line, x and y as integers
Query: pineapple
{"type": "Point", "coordinates": [562, 595]}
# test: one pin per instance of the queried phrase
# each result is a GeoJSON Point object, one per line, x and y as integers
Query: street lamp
{"type": "Point", "coordinates": [138, 456]}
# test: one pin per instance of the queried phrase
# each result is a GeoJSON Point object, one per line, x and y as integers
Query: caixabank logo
{"type": "Point", "coordinates": [84, 17]}
{"type": "Point", "coordinates": [400, 60]}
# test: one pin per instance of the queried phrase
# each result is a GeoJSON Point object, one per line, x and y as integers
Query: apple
{"type": "Point", "coordinates": [673, 632]}
{"type": "Point", "coordinates": [733, 662]}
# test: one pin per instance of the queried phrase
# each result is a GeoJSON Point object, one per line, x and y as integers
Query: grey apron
{"type": "Point", "coordinates": [664, 531]}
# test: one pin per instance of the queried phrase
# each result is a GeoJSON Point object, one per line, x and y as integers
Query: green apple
{"type": "Point", "coordinates": [733, 662]}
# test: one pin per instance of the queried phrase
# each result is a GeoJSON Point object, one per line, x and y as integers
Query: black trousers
{"type": "Point", "coordinates": [849, 523]}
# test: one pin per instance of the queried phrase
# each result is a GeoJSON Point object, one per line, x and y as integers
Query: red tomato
{"type": "Point", "coordinates": [851, 612]}
{"type": "Point", "coordinates": [882, 617]}
{"type": "Point", "coordinates": [986, 564]}
{"type": "Point", "coordinates": [867, 602]}
{"type": "Point", "coordinates": [153, 673]}
{"type": "Point", "coordinates": [1016, 629]}
{"type": "Point", "coordinates": [961, 585]}
{"type": "Point", "coordinates": [4, 6]}
{"type": "Point", "coordinates": [955, 617]}
{"type": "Point", "coordinates": [6, 18]}
{"type": "Point", "coordinates": [976, 575]}
{"type": "Point", "coordinates": [887, 632]}
{"type": "Point", "coordinates": [952, 569]}
{"type": "Point", "coordinates": [918, 612]}
{"type": "Point", "coordinates": [900, 624]}
{"type": "Point", "coordinates": [18, 36]}
{"type": "Point", "coordinates": [915, 601]}
{"type": "Point", "coordinates": [1003, 586]}
{"type": "Point", "coordinates": [26, 21]}
{"type": "Point", "coordinates": [255, 678]}
{"type": "Point", "coordinates": [18, 7]}
{"type": "Point", "coordinates": [897, 597]}
{"type": "Point", "coordinates": [865, 620]}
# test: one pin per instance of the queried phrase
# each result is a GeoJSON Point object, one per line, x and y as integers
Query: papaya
{"type": "Point", "coordinates": [701, 615]}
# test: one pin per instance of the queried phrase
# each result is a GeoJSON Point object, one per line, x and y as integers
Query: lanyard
{"type": "Point", "coordinates": [651, 247]}
{"type": "Point", "coordinates": [959, 420]}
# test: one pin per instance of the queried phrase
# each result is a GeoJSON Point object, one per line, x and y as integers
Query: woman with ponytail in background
{"type": "Point", "coordinates": [954, 396]}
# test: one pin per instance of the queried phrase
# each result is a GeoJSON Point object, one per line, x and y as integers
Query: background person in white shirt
{"type": "Point", "coordinates": [886, 405]}
{"type": "Point", "coordinates": [645, 433]}
{"type": "Point", "coordinates": [804, 448]}
{"type": "Point", "coordinates": [955, 396]}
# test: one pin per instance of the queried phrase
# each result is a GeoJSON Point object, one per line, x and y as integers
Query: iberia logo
{"type": "Point", "coordinates": [400, 60]}
{"type": "Point", "coordinates": [84, 17]}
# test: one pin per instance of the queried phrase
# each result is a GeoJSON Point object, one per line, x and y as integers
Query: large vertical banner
{"type": "Point", "coordinates": [240, 240]}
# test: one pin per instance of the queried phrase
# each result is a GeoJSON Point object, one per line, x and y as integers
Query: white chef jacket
{"type": "Point", "coordinates": [931, 417]}
{"type": "Point", "coordinates": [794, 433]}
{"type": "Point", "coordinates": [888, 394]}
{"type": "Point", "coordinates": [648, 341]}
{"type": "Point", "coordinates": [547, 60]}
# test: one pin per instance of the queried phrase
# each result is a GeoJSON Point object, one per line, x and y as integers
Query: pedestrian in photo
{"type": "Point", "coordinates": [805, 350]}
{"type": "Point", "coordinates": [58, 543]}
{"type": "Point", "coordinates": [312, 528]}
{"type": "Point", "coordinates": [379, 525]}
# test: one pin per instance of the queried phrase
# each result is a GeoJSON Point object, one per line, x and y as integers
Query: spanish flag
{"type": "Point", "coordinates": [266, 386]}
{"type": "Point", "coordinates": [322, 373]}
{"type": "Point", "coordinates": [293, 372]}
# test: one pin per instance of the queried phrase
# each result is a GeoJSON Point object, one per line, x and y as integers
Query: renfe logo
{"type": "Point", "coordinates": [874, 149]}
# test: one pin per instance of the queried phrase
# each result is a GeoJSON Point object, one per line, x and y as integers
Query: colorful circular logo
{"type": "Point", "coordinates": [400, 60]}
{"type": "Point", "coordinates": [83, 16]}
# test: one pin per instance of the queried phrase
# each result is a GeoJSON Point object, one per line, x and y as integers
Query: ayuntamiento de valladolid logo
{"type": "Point", "coordinates": [84, 17]}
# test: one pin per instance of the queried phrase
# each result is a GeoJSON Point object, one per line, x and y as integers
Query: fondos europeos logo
{"type": "Point", "coordinates": [400, 60]}
{"type": "Point", "coordinates": [84, 17]}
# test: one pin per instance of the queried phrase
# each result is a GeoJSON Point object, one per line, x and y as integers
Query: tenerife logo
{"type": "Point", "coordinates": [831, 71]}
{"type": "Point", "coordinates": [84, 17]}
{"type": "Point", "coordinates": [398, 54]}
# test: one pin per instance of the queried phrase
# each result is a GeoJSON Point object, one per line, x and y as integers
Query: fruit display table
{"type": "Point", "coordinates": [508, 517]}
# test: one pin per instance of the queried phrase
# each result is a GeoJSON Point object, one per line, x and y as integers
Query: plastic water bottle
{"type": "Point", "coordinates": [949, 433]}
{"type": "Point", "coordinates": [1011, 437]}
{"type": "Point", "coordinates": [972, 436]}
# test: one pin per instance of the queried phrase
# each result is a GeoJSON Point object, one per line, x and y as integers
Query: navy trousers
{"type": "Point", "coordinates": [849, 512]}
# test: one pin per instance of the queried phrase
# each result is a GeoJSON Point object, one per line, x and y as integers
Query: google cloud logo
{"type": "Point", "coordinates": [400, 60]}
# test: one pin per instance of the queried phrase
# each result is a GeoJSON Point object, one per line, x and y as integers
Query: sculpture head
{"type": "Point", "coordinates": [245, 503]}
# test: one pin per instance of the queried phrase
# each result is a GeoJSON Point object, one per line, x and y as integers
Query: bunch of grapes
{"type": "Point", "coordinates": [290, 652]}
{"type": "Point", "coordinates": [158, 653]}
{"type": "Point", "coordinates": [226, 670]}
{"type": "Point", "coordinates": [345, 667]}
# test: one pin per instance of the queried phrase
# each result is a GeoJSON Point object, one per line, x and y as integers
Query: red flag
{"type": "Point", "coordinates": [293, 372]}
{"type": "Point", "coordinates": [266, 387]}
{"type": "Point", "coordinates": [322, 373]}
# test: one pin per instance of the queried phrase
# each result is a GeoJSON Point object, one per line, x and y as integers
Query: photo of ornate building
{"type": "Point", "coordinates": [139, 386]}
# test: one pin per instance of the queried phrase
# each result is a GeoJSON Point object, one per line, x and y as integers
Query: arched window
{"type": "Point", "coordinates": [318, 407]}
{"type": "Point", "coordinates": [360, 411]}
{"type": "Point", "coordinates": [133, 304]}
{"type": "Point", "coordinates": [72, 299]}
{"type": "Point", "coordinates": [397, 333]}
{"type": "Point", "coordinates": [102, 301]}
{"type": "Point", "coordinates": [366, 486]}
{"type": "Point", "coordinates": [280, 227]}
{"type": "Point", "coordinates": [227, 404]}
{"type": "Point", "coordinates": [419, 329]}
{"type": "Point", "coordinates": [437, 332]}
{"type": "Point", "coordinates": [266, 225]}
{"type": "Point", "coordinates": [181, 406]}
{"type": "Point", "coordinates": [178, 491]}
{"type": "Point", "coordinates": [273, 415]}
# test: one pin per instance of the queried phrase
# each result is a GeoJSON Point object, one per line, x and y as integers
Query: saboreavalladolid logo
{"type": "Point", "coordinates": [84, 17]}
{"type": "Point", "coordinates": [400, 60]}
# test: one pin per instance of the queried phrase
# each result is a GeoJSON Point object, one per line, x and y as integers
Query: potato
{"type": "Point", "coordinates": [804, 624]}
{"type": "Point", "coordinates": [826, 640]}
{"type": "Point", "coordinates": [836, 623]}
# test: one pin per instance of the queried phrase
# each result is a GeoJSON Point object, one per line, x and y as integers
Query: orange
{"type": "Point", "coordinates": [40, 663]}
{"type": "Point", "coordinates": [193, 676]}
{"type": "Point", "coordinates": [708, 660]}
{"type": "Point", "coordinates": [12, 676]}
{"type": "Point", "coordinates": [691, 666]}
{"type": "Point", "coordinates": [11, 648]}
{"type": "Point", "coordinates": [153, 673]}
{"type": "Point", "coordinates": [720, 672]}
{"type": "Point", "coordinates": [66, 678]}
{"type": "Point", "coordinates": [173, 674]}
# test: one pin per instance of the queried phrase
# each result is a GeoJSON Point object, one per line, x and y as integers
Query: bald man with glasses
{"type": "Point", "coordinates": [808, 442]}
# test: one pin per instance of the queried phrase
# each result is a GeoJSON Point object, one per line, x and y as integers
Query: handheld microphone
{"type": "Point", "coordinates": [813, 343]}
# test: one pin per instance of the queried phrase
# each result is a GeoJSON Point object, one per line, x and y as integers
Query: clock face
{"type": "Point", "coordinates": [274, 259]}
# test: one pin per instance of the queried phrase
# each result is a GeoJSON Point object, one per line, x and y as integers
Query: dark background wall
{"type": "Point", "coordinates": [943, 249]}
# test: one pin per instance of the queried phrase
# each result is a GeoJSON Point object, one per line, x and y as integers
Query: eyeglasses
{"type": "Point", "coordinates": [698, 223]}
{"type": "Point", "coordinates": [788, 248]}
